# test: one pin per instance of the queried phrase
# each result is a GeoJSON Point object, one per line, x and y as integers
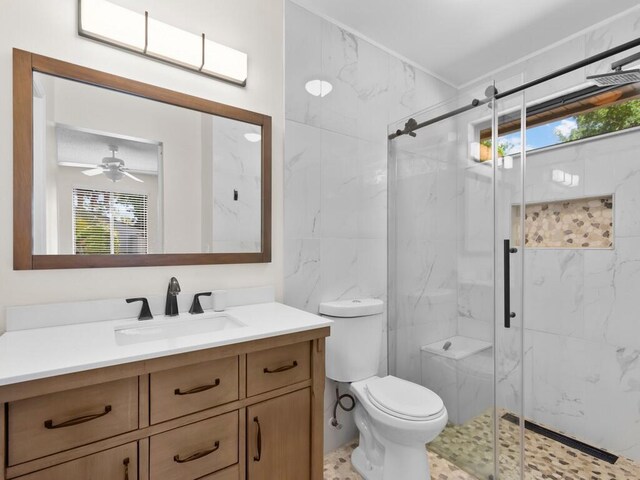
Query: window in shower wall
{"type": "Point", "coordinates": [585, 113]}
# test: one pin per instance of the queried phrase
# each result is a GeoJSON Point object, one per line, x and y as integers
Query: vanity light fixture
{"type": "Point", "coordinates": [318, 88]}
{"type": "Point", "coordinates": [120, 27]}
{"type": "Point", "coordinates": [253, 137]}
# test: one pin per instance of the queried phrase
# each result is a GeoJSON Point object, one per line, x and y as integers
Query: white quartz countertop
{"type": "Point", "coordinates": [46, 352]}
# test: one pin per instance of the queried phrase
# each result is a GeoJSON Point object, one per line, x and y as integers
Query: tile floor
{"type": "Point", "coordinates": [464, 452]}
{"type": "Point", "coordinates": [337, 466]}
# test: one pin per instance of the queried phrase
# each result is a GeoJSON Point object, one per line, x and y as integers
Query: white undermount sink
{"type": "Point", "coordinates": [167, 328]}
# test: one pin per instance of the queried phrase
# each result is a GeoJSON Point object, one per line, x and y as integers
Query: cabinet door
{"type": "Point", "coordinates": [279, 438]}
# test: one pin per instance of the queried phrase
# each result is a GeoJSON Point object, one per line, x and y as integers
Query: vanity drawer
{"type": "Point", "coordinates": [189, 389]}
{"type": "Point", "coordinates": [231, 473]}
{"type": "Point", "coordinates": [51, 423]}
{"type": "Point", "coordinates": [278, 367]}
{"type": "Point", "coordinates": [119, 463]}
{"type": "Point", "coordinates": [195, 450]}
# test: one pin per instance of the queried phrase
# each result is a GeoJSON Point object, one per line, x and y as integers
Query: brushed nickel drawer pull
{"type": "Point", "coordinates": [76, 421]}
{"type": "Point", "coordinates": [125, 462]}
{"type": "Point", "coordinates": [282, 369]}
{"type": "Point", "coordinates": [202, 388]}
{"type": "Point", "coordinates": [197, 455]}
{"type": "Point", "coordinates": [256, 458]}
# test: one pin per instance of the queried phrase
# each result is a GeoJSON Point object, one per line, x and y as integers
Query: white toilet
{"type": "Point", "coordinates": [396, 418]}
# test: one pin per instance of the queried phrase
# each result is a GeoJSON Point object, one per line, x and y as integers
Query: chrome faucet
{"type": "Point", "coordinates": [171, 306]}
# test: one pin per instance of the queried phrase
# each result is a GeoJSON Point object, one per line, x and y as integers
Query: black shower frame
{"type": "Point", "coordinates": [412, 125]}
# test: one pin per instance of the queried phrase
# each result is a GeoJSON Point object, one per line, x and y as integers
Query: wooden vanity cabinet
{"type": "Point", "coordinates": [250, 411]}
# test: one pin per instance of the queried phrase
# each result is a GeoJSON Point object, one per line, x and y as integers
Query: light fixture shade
{"type": "Point", "coordinates": [225, 62]}
{"type": "Point", "coordinates": [171, 43]}
{"type": "Point", "coordinates": [118, 26]}
{"type": "Point", "coordinates": [112, 23]}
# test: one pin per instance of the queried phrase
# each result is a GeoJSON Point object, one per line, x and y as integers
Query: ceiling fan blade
{"type": "Point", "coordinates": [132, 177]}
{"type": "Point", "coordinates": [93, 171]}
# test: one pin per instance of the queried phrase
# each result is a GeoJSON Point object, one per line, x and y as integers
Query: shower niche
{"type": "Point", "coordinates": [569, 223]}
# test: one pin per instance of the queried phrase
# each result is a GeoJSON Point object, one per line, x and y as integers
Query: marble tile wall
{"type": "Point", "coordinates": [335, 194]}
{"type": "Point", "coordinates": [423, 259]}
{"type": "Point", "coordinates": [234, 224]}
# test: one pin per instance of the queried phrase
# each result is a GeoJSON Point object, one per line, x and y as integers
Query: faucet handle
{"type": "Point", "coordinates": [145, 311]}
{"type": "Point", "coordinates": [195, 306]}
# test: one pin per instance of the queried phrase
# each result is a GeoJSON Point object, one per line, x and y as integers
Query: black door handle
{"type": "Point", "coordinates": [508, 314]}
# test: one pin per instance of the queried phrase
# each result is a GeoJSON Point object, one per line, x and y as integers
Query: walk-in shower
{"type": "Point", "coordinates": [514, 271]}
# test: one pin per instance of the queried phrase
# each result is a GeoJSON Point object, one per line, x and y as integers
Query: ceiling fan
{"type": "Point", "coordinates": [113, 168]}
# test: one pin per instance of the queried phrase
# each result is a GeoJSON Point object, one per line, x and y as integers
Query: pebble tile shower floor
{"type": "Point", "coordinates": [469, 447]}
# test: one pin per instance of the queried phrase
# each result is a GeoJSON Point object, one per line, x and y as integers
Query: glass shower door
{"type": "Point", "coordinates": [582, 281]}
{"type": "Point", "coordinates": [507, 147]}
{"type": "Point", "coordinates": [445, 259]}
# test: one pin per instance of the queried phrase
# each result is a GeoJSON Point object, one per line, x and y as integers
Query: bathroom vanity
{"type": "Point", "coordinates": [236, 403]}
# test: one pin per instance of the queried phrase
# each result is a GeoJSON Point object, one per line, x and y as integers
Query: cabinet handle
{"type": "Point", "coordinates": [197, 455]}
{"type": "Point", "coordinates": [125, 462]}
{"type": "Point", "coordinates": [202, 388]}
{"type": "Point", "coordinates": [282, 369]}
{"type": "Point", "coordinates": [256, 458]}
{"type": "Point", "coordinates": [76, 421]}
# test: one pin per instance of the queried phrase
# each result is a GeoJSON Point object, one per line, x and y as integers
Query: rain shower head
{"type": "Point", "coordinates": [618, 77]}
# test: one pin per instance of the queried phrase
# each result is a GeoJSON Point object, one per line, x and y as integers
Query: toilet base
{"type": "Point", "coordinates": [405, 464]}
{"type": "Point", "coordinates": [364, 467]}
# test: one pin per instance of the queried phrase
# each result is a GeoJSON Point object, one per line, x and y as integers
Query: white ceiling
{"type": "Point", "coordinates": [460, 40]}
{"type": "Point", "coordinates": [86, 149]}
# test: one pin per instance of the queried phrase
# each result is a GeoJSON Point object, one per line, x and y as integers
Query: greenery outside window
{"type": "Point", "coordinates": [584, 114]}
{"type": "Point", "coordinates": [107, 222]}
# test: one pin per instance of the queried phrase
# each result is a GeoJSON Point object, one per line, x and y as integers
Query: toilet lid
{"type": "Point", "coordinates": [404, 399]}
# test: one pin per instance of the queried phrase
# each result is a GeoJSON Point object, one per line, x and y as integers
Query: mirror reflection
{"type": "Point", "coordinates": [119, 174]}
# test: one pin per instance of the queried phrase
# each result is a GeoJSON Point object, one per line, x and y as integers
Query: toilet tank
{"type": "Point", "coordinates": [354, 347]}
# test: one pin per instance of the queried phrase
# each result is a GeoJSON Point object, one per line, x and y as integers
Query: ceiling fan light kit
{"type": "Point", "coordinates": [112, 167]}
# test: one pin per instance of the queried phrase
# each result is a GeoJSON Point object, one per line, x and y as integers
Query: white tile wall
{"type": "Point", "coordinates": [336, 171]}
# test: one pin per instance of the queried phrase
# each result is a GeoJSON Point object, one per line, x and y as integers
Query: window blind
{"type": "Point", "coordinates": [107, 222]}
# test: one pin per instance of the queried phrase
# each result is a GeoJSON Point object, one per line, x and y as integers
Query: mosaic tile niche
{"type": "Point", "coordinates": [572, 223]}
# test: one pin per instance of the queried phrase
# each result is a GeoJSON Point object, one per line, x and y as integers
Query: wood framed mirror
{"type": "Point", "coordinates": [112, 172]}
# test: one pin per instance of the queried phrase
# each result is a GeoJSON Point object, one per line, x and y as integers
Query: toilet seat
{"type": "Point", "coordinates": [405, 400]}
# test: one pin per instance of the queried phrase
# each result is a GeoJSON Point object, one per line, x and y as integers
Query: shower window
{"type": "Point", "coordinates": [583, 114]}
